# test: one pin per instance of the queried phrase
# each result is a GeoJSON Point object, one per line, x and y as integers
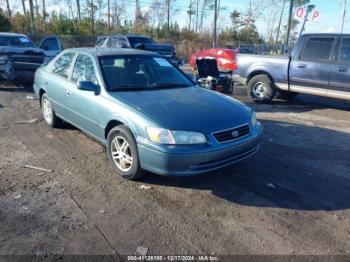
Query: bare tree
{"type": "Point", "coordinates": [31, 9]}
{"type": "Point", "coordinates": [78, 8]}
{"type": "Point", "coordinates": [44, 15]}
{"type": "Point", "coordinates": [8, 8]}
{"type": "Point", "coordinates": [109, 15]}
{"type": "Point", "coordinates": [280, 22]}
{"type": "Point", "coordinates": [158, 9]}
{"type": "Point", "coordinates": [24, 7]}
{"type": "Point", "coordinates": [197, 15]}
{"type": "Point", "coordinates": [205, 5]}
{"type": "Point", "coordinates": [118, 11]}
{"type": "Point", "coordinates": [190, 13]}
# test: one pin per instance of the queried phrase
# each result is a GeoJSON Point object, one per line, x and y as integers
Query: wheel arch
{"type": "Point", "coordinates": [259, 72]}
{"type": "Point", "coordinates": [41, 92]}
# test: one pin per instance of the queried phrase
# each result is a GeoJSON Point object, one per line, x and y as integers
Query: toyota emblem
{"type": "Point", "coordinates": [235, 133]}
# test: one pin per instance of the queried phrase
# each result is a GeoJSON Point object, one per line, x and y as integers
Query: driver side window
{"type": "Point", "coordinates": [84, 70]}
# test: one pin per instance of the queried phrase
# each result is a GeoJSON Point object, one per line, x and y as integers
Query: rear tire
{"type": "Point", "coordinates": [48, 113]}
{"type": "Point", "coordinates": [123, 154]}
{"type": "Point", "coordinates": [261, 89]}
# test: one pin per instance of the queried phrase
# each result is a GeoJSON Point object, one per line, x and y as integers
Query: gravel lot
{"type": "Point", "coordinates": [293, 197]}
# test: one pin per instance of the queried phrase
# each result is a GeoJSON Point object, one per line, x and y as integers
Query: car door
{"type": "Point", "coordinates": [82, 107]}
{"type": "Point", "coordinates": [57, 81]}
{"type": "Point", "coordinates": [340, 76]}
{"type": "Point", "coordinates": [51, 45]}
{"type": "Point", "coordinates": [310, 72]}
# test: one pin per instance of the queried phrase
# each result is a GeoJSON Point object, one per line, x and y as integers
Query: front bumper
{"type": "Point", "coordinates": [177, 161]}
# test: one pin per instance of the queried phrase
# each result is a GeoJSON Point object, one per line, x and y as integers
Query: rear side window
{"type": "Point", "coordinates": [50, 44]}
{"type": "Point", "coordinates": [318, 48]}
{"type": "Point", "coordinates": [62, 65]}
{"type": "Point", "coordinates": [100, 41]}
{"type": "Point", "coordinates": [112, 42]}
{"type": "Point", "coordinates": [344, 55]}
{"type": "Point", "coordinates": [84, 69]}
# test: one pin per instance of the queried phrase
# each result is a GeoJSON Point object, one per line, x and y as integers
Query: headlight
{"type": "Point", "coordinates": [174, 137]}
{"type": "Point", "coordinates": [253, 119]}
{"type": "Point", "coordinates": [3, 59]}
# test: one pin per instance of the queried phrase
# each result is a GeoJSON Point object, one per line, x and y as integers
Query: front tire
{"type": "Point", "coordinates": [261, 89]}
{"type": "Point", "coordinates": [48, 113]}
{"type": "Point", "coordinates": [123, 154]}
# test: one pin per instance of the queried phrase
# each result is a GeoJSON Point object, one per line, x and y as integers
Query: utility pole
{"type": "Point", "coordinates": [343, 17]}
{"type": "Point", "coordinates": [168, 10]}
{"type": "Point", "coordinates": [291, 6]}
{"type": "Point", "coordinates": [308, 11]}
{"type": "Point", "coordinates": [280, 22]}
{"type": "Point", "coordinates": [215, 22]}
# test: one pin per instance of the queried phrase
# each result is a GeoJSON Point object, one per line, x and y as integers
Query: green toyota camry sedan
{"type": "Point", "coordinates": [148, 113]}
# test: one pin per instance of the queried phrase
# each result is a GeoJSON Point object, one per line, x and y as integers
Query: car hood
{"type": "Point", "coordinates": [191, 109]}
{"type": "Point", "coordinates": [159, 47]}
{"type": "Point", "coordinates": [21, 50]}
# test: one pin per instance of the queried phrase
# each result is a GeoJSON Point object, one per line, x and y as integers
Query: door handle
{"type": "Point", "coordinates": [302, 65]}
{"type": "Point", "coordinates": [343, 69]}
{"type": "Point", "coordinates": [68, 93]}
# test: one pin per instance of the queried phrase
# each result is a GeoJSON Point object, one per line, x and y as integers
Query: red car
{"type": "Point", "coordinates": [225, 58]}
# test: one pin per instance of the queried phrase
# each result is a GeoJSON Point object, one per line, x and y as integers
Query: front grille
{"type": "Point", "coordinates": [33, 59]}
{"type": "Point", "coordinates": [232, 134]}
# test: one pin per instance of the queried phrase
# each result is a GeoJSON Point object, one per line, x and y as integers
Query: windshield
{"type": "Point", "coordinates": [140, 40]}
{"type": "Point", "coordinates": [18, 41]}
{"type": "Point", "coordinates": [140, 72]}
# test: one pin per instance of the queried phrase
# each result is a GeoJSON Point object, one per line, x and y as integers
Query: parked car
{"type": "Point", "coordinates": [146, 111]}
{"type": "Point", "coordinates": [246, 50]}
{"type": "Point", "coordinates": [139, 42]}
{"type": "Point", "coordinates": [318, 65]}
{"type": "Point", "coordinates": [19, 57]}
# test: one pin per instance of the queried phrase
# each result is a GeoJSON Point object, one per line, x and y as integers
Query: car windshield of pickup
{"type": "Point", "coordinates": [140, 72]}
{"type": "Point", "coordinates": [140, 40]}
{"type": "Point", "coordinates": [17, 41]}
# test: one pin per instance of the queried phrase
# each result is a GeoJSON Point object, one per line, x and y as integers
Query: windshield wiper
{"type": "Point", "coordinates": [168, 85]}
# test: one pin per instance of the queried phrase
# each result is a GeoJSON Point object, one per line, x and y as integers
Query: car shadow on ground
{"type": "Point", "coordinates": [294, 171]}
{"type": "Point", "coordinates": [300, 103]}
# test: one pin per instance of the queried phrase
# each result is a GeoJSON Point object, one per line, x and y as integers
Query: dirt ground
{"type": "Point", "coordinates": [292, 198]}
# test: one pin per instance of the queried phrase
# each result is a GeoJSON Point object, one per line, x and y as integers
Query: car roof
{"type": "Point", "coordinates": [11, 34]}
{"type": "Point", "coordinates": [107, 51]}
{"type": "Point", "coordinates": [128, 35]}
{"type": "Point", "coordinates": [325, 34]}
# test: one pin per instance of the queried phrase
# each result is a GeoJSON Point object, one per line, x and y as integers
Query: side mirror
{"type": "Point", "coordinates": [140, 46]}
{"type": "Point", "coordinates": [89, 86]}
